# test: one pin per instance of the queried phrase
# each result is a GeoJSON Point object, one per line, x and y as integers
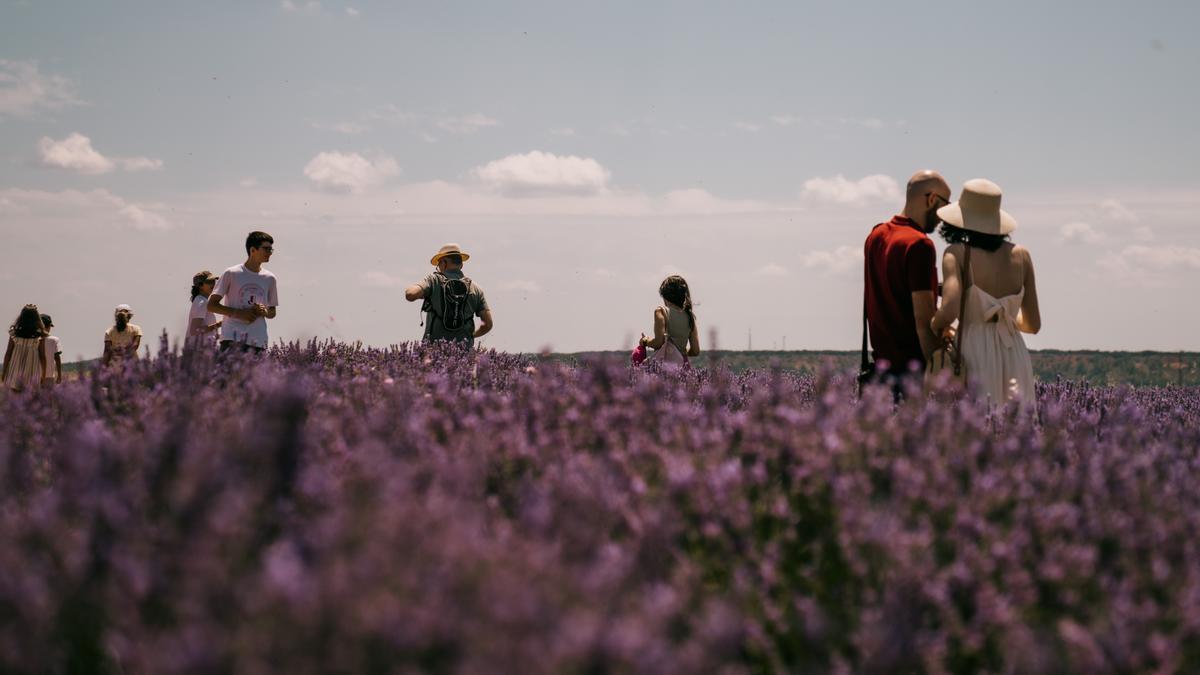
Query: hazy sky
{"type": "Point", "coordinates": [581, 151]}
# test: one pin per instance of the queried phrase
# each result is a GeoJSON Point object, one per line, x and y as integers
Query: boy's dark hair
{"type": "Point", "coordinates": [957, 235]}
{"type": "Point", "coordinates": [256, 239]}
{"type": "Point", "coordinates": [47, 322]}
{"type": "Point", "coordinates": [28, 323]}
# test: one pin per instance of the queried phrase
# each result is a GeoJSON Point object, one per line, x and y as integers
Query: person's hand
{"type": "Point", "coordinates": [643, 341]}
{"type": "Point", "coordinates": [259, 309]}
{"type": "Point", "coordinates": [247, 315]}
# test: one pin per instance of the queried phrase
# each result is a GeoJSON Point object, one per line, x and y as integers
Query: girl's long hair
{"type": "Point", "coordinates": [674, 289]}
{"type": "Point", "coordinates": [198, 280]}
{"type": "Point", "coordinates": [28, 323]}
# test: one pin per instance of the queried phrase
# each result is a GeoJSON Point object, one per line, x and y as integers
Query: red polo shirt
{"type": "Point", "coordinates": [900, 260]}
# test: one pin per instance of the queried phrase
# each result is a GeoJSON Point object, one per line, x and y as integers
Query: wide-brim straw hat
{"type": "Point", "coordinates": [448, 249]}
{"type": "Point", "coordinates": [978, 209]}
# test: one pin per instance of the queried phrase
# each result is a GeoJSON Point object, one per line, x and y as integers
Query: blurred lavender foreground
{"type": "Point", "coordinates": [340, 510]}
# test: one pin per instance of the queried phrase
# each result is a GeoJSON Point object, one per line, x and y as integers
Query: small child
{"type": "Point", "coordinates": [53, 353]}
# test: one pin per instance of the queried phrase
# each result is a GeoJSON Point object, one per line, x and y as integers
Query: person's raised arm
{"type": "Point", "coordinates": [951, 296]}
{"type": "Point", "coordinates": [414, 293]}
{"type": "Point", "coordinates": [694, 341]}
{"type": "Point", "coordinates": [7, 359]}
{"type": "Point", "coordinates": [660, 330]}
{"type": "Point", "coordinates": [1030, 318]}
{"type": "Point", "coordinates": [485, 325]}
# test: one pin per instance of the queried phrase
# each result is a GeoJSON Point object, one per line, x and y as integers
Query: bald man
{"type": "Point", "coordinates": [900, 294]}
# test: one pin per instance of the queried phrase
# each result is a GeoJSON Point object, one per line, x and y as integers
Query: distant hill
{"type": "Point", "coordinates": [1135, 368]}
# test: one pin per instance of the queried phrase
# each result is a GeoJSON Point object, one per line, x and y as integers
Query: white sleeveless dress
{"type": "Point", "coordinates": [997, 363]}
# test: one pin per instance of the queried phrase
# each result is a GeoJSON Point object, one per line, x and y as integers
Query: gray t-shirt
{"type": "Point", "coordinates": [434, 293]}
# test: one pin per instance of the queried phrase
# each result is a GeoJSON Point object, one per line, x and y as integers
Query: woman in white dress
{"type": "Point", "coordinates": [676, 335]}
{"type": "Point", "coordinates": [1001, 301]}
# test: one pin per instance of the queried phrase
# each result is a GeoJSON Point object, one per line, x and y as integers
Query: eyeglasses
{"type": "Point", "coordinates": [944, 199]}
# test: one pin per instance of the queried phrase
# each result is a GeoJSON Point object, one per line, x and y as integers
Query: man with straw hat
{"type": "Point", "coordinates": [900, 285]}
{"type": "Point", "coordinates": [451, 299]}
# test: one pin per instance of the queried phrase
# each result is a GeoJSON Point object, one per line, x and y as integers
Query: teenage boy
{"type": "Point", "coordinates": [53, 353]}
{"type": "Point", "coordinates": [247, 296]}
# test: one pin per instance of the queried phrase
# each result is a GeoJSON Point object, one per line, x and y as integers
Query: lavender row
{"type": "Point", "coordinates": [423, 509]}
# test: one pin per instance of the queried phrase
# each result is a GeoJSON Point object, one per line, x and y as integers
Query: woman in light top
{"type": "Point", "coordinates": [123, 339]}
{"type": "Point", "coordinates": [25, 357]}
{"type": "Point", "coordinates": [676, 334]}
{"type": "Point", "coordinates": [1001, 296]}
{"type": "Point", "coordinates": [202, 324]}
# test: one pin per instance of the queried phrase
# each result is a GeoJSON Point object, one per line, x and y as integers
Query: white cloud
{"type": "Point", "coordinates": [564, 131]}
{"type": "Point", "coordinates": [786, 120]}
{"type": "Point", "coordinates": [349, 128]}
{"type": "Point", "coordinates": [310, 7]}
{"type": "Point", "coordinates": [75, 153]}
{"type": "Point", "coordinates": [839, 190]}
{"type": "Point", "coordinates": [349, 172]}
{"type": "Point", "coordinates": [543, 173]}
{"type": "Point", "coordinates": [140, 163]}
{"type": "Point", "coordinates": [747, 126]}
{"type": "Point", "coordinates": [840, 260]}
{"type": "Point", "coordinates": [377, 279]}
{"type": "Point", "coordinates": [350, 11]}
{"type": "Point", "coordinates": [1153, 258]}
{"type": "Point", "coordinates": [142, 219]}
{"type": "Point", "coordinates": [773, 270]}
{"type": "Point", "coordinates": [1116, 211]}
{"type": "Point", "coordinates": [82, 208]}
{"type": "Point", "coordinates": [701, 202]}
{"type": "Point", "coordinates": [465, 124]}
{"type": "Point", "coordinates": [1083, 232]}
{"type": "Point", "coordinates": [521, 285]}
{"type": "Point", "coordinates": [24, 89]}
{"type": "Point", "coordinates": [872, 123]}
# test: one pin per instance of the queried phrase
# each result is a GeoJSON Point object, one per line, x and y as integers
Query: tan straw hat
{"type": "Point", "coordinates": [978, 209]}
{"type": "Point", "coordinates": [448, 249]}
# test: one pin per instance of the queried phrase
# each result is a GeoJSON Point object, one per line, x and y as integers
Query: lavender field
{"type": "Point", "coordinates": [340, 510]}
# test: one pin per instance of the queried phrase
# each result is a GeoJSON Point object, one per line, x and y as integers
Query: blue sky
{"type": "Point", "coordinates": [580, 151]}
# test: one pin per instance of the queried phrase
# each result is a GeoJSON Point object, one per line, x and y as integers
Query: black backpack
{"type": "Point", "coordinates": [454, 314]}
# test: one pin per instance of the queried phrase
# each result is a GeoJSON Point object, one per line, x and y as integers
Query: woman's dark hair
{"type": "Point", "coordinates": [674, 289]}
{"type": "Point", "coordinates": [198, 280]}
{"type": "Point", "coordinates": [957, 235]}
{"type": "Point", "coordinates": [256, 239]}
{"type": "Point", "coordinates": [28, 323]}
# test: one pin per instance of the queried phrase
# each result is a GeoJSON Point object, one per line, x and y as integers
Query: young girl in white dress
{"type": "Point", "coordinates": [676, 335]}
{"type": "Point", "coordinates": [1001, 301]}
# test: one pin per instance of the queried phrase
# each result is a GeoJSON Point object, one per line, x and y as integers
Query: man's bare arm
{"type": "Point", "coordinates": [217, 307]}
{"type": "Point", "coordinates": [414, 293]}
{"type": "Point", "coordinates": [924, 307]}
{"type": "Point", "coordinates": [485, 323]}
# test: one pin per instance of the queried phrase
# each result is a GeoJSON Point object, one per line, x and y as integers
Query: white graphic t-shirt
{"type": "Point", "coordinates": [240, 288]}
{"type": "Point", "coordinates": [53, 346]}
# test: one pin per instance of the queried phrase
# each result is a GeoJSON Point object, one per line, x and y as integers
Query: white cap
{"type": "Point", "coordinates": [123, 308]}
